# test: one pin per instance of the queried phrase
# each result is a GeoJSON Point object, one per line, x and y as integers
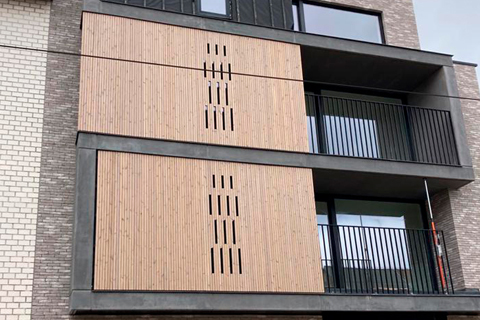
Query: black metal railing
{"type": "Point", "coordinates": [356, 128]}
{"type": "Point", "coordinates": [374, 260]}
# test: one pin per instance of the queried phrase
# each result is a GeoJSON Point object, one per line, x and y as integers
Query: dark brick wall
{"type": "Point", "coordinates": [457, 212]}
{"type": "Point", "coordinates": [51, 282]}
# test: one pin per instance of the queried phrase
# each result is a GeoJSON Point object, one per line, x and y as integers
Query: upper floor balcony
{"type": "Point", "coordinates": [340, 126]}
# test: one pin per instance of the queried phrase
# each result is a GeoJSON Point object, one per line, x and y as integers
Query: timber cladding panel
{"type": "Point", "coordinates": [153, 92]}
{"type": "Point", "coordinates": [174, 224]}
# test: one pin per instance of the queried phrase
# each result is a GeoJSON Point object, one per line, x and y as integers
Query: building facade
{"type": "Point", "coordinates": [223, 159]}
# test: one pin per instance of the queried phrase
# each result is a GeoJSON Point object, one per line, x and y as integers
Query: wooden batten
{"type": "Point", "coordinates": [155, 226]}
{"type": "Point", "coordinates": [153, 92]}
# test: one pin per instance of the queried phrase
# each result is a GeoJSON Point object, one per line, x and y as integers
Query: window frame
{"type": "Point", "coordinates": [227, 15]}
{"type": "Point", "coordinates": [302, 24]}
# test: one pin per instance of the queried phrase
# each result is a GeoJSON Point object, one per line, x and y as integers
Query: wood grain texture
{"type": "Point", "coordinates": [151, 101]}
{"type": "Point", "coordinates": [154, 230]}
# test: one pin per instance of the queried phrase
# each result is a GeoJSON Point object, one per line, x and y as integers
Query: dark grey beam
{"type": "Point", "coordinates": [153, 302]}
{"type": "Point", "coordinates": [236, 28]}
{"type": "Point", "coordinates": [461, 175]}
{"type": "Point", "coordinates": [82, 268]}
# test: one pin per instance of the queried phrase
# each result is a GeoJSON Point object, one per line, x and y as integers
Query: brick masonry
{"type": "Point", "coordinates": [457, 211]}
{"type": "Point", "coordinates": [57, 178]}
{"type": "Point", "coordinates": [399, 22]}
{"type": "Point", "coordinates": [22, 87]}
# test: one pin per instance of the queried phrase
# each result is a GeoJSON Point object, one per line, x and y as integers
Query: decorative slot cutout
{"type": "Point", "coordinates": [212, 260]}
{"type": "Point", "coordinates": [221, 71]}
{"type": "Point", "coordinates": [231, 182]}
{"type": "Point", "coordinates": [229, 72]}
{"type": "Point", "coordinates": [234, 236]}
{"type": "Point", "coordinates": [208, 48]}
{"type": "Point", "coordinates": [224, 231]}
{"type": "Point", "coordinates": [219, 206]}
{"type": "Point", "coordinates": [236, 205]}
{"type": "Point", "coordinates": [231, 260]}
{"type": "Point", "coordinates": [231, 119]}
{"type": "Point", "coordinates": [221, 260]}
{"type": "Point", "coordinates": [226, 94]}
{"type": "Point", "coordinates": [216, 49]}
{"type": "Point", "coordinates": [210, 207]}
{"type": "Point", "coordinates": [223, 118]}
{"type": "Point", "coordinates": [218, 93]}
{"type": "Point", "coordinates": [214, 118]}
{"type": "Point", "coordinates": [213, 70]}
{"type": "Point", "coordinates": [224, 51]}
{"type": "Point", "coordinates": [228, 205]}
{"type": "Point", "coordinates": [210, 92]}
{"type": "Point", "coordinates": [206, 117]}
{"type": "Point", "coordinates": [204, 69]}
{"type": "Point", "coordinates": [216, 232]}
{"type": "Point", "coordinates": [239, 261]}
{"type": "Point", "coordinates": [223, 182]}
{"type": "Point", "coordinates": [213, 181]}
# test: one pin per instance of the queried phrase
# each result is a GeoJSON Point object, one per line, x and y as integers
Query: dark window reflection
{"type": "Point", "coordinates": [342, 23]}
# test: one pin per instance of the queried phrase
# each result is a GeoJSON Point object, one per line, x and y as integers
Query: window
{"type": "Point", "coordinates": [337, 22]}
{"type": "Point", "coordinates": [218, 8]}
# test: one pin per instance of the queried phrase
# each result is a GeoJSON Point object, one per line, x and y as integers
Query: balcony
{"type": "Point", "coordinates": [377, 130]}
{"type": "Point", "coordinates": [374, 260]}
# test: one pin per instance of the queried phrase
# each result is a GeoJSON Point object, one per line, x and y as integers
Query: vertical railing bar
{"type": "Point", "coordinates": [368, 121]}
{"type": "Point", "coordinates": [421, 135]}
{"type": "Point", "coordinates": [443, 150]}
{"type": "Point", "coordinates": [414, 266]}
{"type": "Point", "coordinates": [321, 134]}
{"type": "Point", "coordinates": [351, 253]}
{"type": "Point", "coordinates": [443, 115]}
{"type": "Point", "coordinates": [326, 260]}
{"type": "Point", "coordinates": [417, 135]}
{"type": "Point", "coordinates": [452, 137]}
{"type": "Point", "coordinates": [351, 122]}
{"type": "Point", "coordinates": [373, 260]}
{"type": "Point", "coordinates": [396, 138]}
{"type": "Point", "coordinates": [381, 131]}
{"type": "Point", "coordinates": [428, 135]}
{"type": "Point", "coordinates": [331, 235]}
{"type": "Point", "coordinates": [358, 258]}
{"type": "Point", "coordinates": [434, 136]}
{"type": "Point", "coordinates": [401, 132]}
{"type": "Point", "coordinates": [390, 143]}
{"type": "Point", "coordinates": [346, 253]}
{"type": "Point", "coordinates": [379, 264]}
{"type": "Point", "coordinates": [421, 261]}
{"type": "Point", "coordinates": [400, 257]}
{"type": "Point", "coordinates": [410, 134]}
{"type": "Point", "coordinates": [393, 258]}
{"type": "Point", "coordinates": [337, 125]}
{"type": "Point", "coordinates": [342, 117]}
{"type": "Point", "coordinates": [367, 260]}
{"type": "Point", "coordinates": [374, 120]}
{"type": "Point", "coordinates": [427, 268]}
{"type": "Point", "coordinates": [332, 126]}
{"type": "Point", "coordinates": [349, 126]}
{"type": "Point", "coordinates": [387, 274]}
{"type": "Point", "coordinates": [315, 121]}
{"type": "Point", "coordinates": [403, 244]}
{"type": "Point", "coordinates": [362, 126]}
{"type": "Point", "coordinates": [388, 259]}
{"type": "Point", "coordinates": [355, 118]}
{"type": "Point", "coordinates": [448, 263]}
{"type": "Point", "coordinates": [309, 123]}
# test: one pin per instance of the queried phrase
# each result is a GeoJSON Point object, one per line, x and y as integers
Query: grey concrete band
{"type": "Point", "coordinates": [236, 28]}
{"type": "Point", "coordinates": [155, 302]}
{"type": "Point", "coordinates": [458, 175]}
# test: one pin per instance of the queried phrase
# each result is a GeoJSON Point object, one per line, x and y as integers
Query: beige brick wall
{"type": "Point", "coordinates": [398, 19]}
{"type": "Point", "coordinates": [22, 83]}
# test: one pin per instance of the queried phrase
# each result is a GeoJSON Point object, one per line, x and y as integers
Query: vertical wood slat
{"type": "Point", "coordinates": [142, 100]}
{"type": "Point", "coordinates": [154, 231]}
